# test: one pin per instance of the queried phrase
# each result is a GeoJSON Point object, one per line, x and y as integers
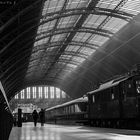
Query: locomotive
{"type": "Point", "coordinates": [115, 103]}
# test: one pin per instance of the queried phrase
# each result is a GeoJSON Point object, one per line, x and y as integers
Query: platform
{"type": "Point", "coordinates": [60, 132]}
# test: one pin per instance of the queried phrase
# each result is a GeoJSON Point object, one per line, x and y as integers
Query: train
{"type": "Point", "coordinates": [72, 112]}
{"type": "Point", "coordinates": [115, 103]}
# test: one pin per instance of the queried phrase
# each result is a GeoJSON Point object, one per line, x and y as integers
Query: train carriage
{"type": "Point", "coordinates": [72, 112]}
{"type": "Point", "coordinates": [116, 103]}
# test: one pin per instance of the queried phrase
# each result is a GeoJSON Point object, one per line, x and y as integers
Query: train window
{"type": "Point", "coordinates": [129, 85]}
{"type": "Point", "coordinates": [138, 86]}
{"type": "Point", "coordinates": [77, 109]}
{"type": "Point", "coordinates": [112, 96]}
{"type": "Point", "coordinates": [93, 99]}
{"type": "Point", "coordinates": [129, 88]}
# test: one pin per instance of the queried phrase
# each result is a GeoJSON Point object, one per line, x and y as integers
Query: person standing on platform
{"type": "Point", "coordinates": [35, 117]}
{"type": "Point", "coordinates": [42, 117]}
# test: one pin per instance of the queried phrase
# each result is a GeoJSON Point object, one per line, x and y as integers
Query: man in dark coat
{"type": "Point", "coordinates": [42, 117]}
{"type": "Point", "coordinates": [35, 117]}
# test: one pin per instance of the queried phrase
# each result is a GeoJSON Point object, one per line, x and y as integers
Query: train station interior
{"type": "Point", "coordinates": [78, 61]}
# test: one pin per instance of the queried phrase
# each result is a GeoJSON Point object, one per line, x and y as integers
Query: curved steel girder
{"type": "Point", "coordinates": [16, 30]}
{"type": "Point", "coordinates": [72, 53]}
{"type": "Point", "coordinates": [74, 43]}
{"type": "Point", "coordinates": [98, 11]}
{"type": "Point", "coordinates": [78, 30]}
{"type": "Point", "coordinates": [82, 29]}
{"type": "Point", "coordinates": [66, 11]}
{"type": "Point", "coordinates": [21, 58]}
{"type": "Point", "coordinates": [23, 67]}
{"type": "Point", "coordinates": [34, 26]}
{"type": "Point", "coordinates": [95, 11]}
{"type": "Point", "coordinates": [67, 61]}
{"type": "Point", "coordinates": [60, 60]}
{"type": "Point", "coordinates": [67, 69]}
{"type": "Point", "coordinates": [82, 12]}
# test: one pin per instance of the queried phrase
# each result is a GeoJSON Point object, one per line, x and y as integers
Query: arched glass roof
{"type": "Point", "coordinates": [72, 30]}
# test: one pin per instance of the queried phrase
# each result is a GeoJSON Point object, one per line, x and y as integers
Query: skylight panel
{"type": "Point", "coordinates": [109, 4]}
{"type": "Point", "coordinates": [87, 51]}
{"type": "Point", "coordinates": [42, 41]}
{"type": "Point", "coordinates": [39, 47]}
{"type": "Point", "coordinates": [78, 59]}
{"type": "Point", "coordinates": [115, 24]}
{"type": "Point", "coordinates": [67, 21]}
{"type": "Point", "coordinates": [132, 7]}
{"type": "Point", "coordinates": [72, 48]}
{"type": "Point", "coordinates": [58, 37]}
{"type": "Point", "coordinates": [71, 66]}
{"type": "Point", "coordinates": [65, 56]}
{"type": "Point", "coordinates": [99, 40]}
{"type": "Point", "coordinates": [76, 4]}
{"type": "Point", "coordinates": [94, 21]}
{"type": "Point", "coordinates": [52, 6]}
{"type": "Point", "coordinates": [81, 36]}
{"type": "Point", "coordinates": [36, 54]}
{"type": "Point", "coordinates": [46, 26]}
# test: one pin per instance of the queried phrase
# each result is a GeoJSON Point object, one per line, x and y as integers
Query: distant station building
{"type": "Point", "coordinates": [39, 96]}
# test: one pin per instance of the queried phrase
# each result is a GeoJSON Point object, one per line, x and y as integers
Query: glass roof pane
{"type": "Point", "coordinates": [132, 7]}
{"type": "Point", "coordinates": [99, 40]}
{"type": "Point", "coordinates": [58, 37]}
{"type": "Point", "coordinates": [36, 54]}
{"type": "Point", "coordinates": [81, 36]}
{"type": "Point", "coordinates": [52, 6]}
{"type": "Point", "coordinates": [109, 4]}
{"type": "Point", "coordinates": [66, 22]}
{"type": "Point", "coordinates": [66, 57]}
{"type": "Point", "coordinates": [72, 48]}
{"type": "Point", "coordinates": [76, 4]}
{"type": "Point", "coordinates": [71, 66]}
{"type": "Point", "coordinates": [42, 41]}
{"type": "Point", "coordinates": [46, 26]}
{"type": "Point", "coordinates": [94, 21]}
{"type": "Point", "coordinates": [78, 59]}
{"type": "Point", "coordinates": [87, 51]}
{"type": "Point", "coordinates": [115, 24]}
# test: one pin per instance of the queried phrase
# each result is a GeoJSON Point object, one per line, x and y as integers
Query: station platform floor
{"type": "Point", "coordinates": [65, 132]}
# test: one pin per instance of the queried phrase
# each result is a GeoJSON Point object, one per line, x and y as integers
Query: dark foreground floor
{"type": "Point", "coordinates": [60, 132]}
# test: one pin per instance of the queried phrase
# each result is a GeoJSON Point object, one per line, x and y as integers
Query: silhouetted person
{"type": "Point", "coordinates": [35, 117]}
{"type": "Point", "coordinates": [42, 117]}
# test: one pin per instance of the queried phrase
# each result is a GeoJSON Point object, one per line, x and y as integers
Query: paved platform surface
{"type": "Point", "coordinates": [64, 132]}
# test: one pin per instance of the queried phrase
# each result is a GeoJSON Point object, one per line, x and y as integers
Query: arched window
{"type": "Point", "coordinates": [57, 93]}
{"type": "Point", "coordinates": [16, 96]}
{"type": "Point", "coordinates": [28, 92]}
{"type": "Point", "coordinates": [34, 92]}
{"type": "Point", "coordinates": [40, 92]}
{"type": "Point", "coordinates": [46, 92]}
{"type": "Point", "coordinates": [52, 92]}
{"type": "Point", "coordinates": [22, 94]}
